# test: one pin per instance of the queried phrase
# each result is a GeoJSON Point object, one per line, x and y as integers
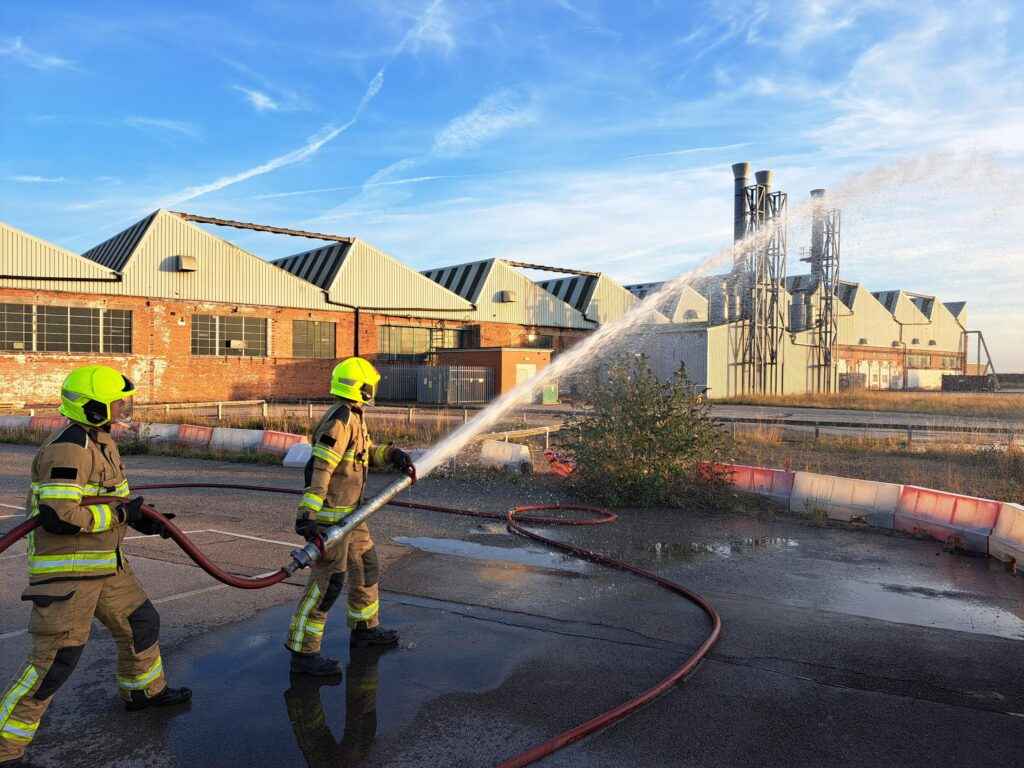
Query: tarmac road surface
{"type": "Point", "coordinates": [840, 647]}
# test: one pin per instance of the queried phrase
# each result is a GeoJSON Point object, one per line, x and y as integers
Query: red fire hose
{"type": "Point", "coordinates": [514, 518]}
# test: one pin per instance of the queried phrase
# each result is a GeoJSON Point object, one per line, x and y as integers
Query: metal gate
{"type": "Point", "coordinates": [455, 384]}
{"type": "Point", "coordinates": [397, 382]}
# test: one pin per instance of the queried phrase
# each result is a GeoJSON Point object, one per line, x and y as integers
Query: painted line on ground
{"type": "Point", "coordinates": [11, 506]}
{"type": "Point", "coordinates": [256, 538]}
{"type": "Point", "coordinates": [8, 517]}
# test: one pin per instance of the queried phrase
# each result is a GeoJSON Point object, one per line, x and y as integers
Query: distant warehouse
{"type": "Point", "coordinates": [190, 316]}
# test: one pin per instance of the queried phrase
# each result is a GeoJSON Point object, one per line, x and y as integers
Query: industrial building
{"type": "Point", "coordinates": [192, 317]}
{"type": "Point", "coordinates": [757, 330]}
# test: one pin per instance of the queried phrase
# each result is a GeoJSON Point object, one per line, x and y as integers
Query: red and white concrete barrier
{"type": "Point", "coordinates": [845, 498]}
{"type": "Point", "coordinates": [776, 484]}
{"type": "Point", "coordinates": [962, 522]}
{"type": "Point", "coordinates": [1007, 540]}
{"type": "Point", "coordinates": [231, 439]}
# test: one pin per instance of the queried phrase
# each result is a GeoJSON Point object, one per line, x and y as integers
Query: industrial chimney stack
{"type": "Point", "coordinates": [741, 174]}
{"type": "Point", "coordinates": [817, 253]}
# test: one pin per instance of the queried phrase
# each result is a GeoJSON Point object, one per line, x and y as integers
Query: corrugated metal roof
{"type": "Point", "coordinates": [576, 291]}
{"type": "Point", "coordinates": [847, 293]}
{"type": "Point", "coordinates": [955, 308]}
{"type": "Point", "coordinates": [466, 280]}
{"type": "Point", "coordinates": [888, 299]}
{"type": "Point", "coordinates": [318, 266]}
{"type": "Point", "coordinates": [115, 252]}
{"type": "Point", "coordinates": [923, 303]}
{"type": "Point", "coordinates": [24, 256]}
{"type": "Point", "coordinates": [642, 290]}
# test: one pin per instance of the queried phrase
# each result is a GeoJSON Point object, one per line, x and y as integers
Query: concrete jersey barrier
{"type": "Point", "coordinates": [963, 522]}
{"type": "Point", "coordinates": [845, 498]}
{"type": "Point", "coordinates": [231, 439]}
{"type": "Point", "coordinates": [776, 484]}
{"type": "Point", "coordinates": [1007, 540]}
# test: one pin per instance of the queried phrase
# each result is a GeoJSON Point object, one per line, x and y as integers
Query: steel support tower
{"type": "Point", "coordinates": [759, 273]}
{"type": "Point", "coordinates": [824, 260]}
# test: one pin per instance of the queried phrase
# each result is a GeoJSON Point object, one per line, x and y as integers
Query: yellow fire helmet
{"type": "Point", "coordinates": [355, 379]}
{"type": "Point", "coordinates": [88, 392]}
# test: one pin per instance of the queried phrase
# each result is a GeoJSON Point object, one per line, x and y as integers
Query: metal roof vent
{"type": "Point", "coordinates": [185, 264]}
{"type": "Point", "coordinates": [506, 297]}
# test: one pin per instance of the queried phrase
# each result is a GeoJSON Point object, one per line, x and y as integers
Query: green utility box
{"type": "Point", "coordinates": [549, 395]}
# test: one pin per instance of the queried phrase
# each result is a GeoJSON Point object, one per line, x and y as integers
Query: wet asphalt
{"type": "Point", "coordinates": [840, 646]}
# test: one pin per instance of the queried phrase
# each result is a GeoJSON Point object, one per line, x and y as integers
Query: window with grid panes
{"type": "Point", "coordinates": [16, 327]}
{"type": "Point", "coordinates": [231, 336]}
{"type": "Point", "coordinates": [24, 327]}
{"type": "Point", "coordinates": [52, 329]}
{"type": "Point", "coordinates": [313, 338]}
{"type": "Point", "coordinates": [399, 342]}
{"type": "Point", "coordinates": [117, 331]}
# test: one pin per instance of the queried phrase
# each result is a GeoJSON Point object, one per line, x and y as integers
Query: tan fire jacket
{"type": "Point", "coordinates": [75, 541]}
{"type": "Point", "coordinates": [336, 472]}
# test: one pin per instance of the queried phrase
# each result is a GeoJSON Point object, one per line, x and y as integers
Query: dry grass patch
{"type": "Point", "coordinates": [1009, 405]}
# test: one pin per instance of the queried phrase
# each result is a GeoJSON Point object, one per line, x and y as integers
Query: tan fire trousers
{"type": "Point", "coordinates": [61, 620]}
{"type": "Point", "coordinates": [357, 555]}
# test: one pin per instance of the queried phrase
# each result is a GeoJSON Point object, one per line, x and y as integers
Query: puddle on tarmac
{"type": "Point", "coordinates": [248, 711]}
{"type": "Point", "coordinates": [930, 607]}
{"type": "Point", "coordinates": [668, 552]}
{"type": "Point", "coordinates": [538, 558]}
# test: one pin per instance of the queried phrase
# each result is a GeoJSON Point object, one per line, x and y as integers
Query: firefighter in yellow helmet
{"type": "Point", "coordinates": [335, 481]}
{"type": "Point", "coordinates": [76, 567]}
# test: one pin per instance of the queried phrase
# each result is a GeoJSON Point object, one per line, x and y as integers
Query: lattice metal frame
{"type": "Point", "coordinates": [758, 277]}
{"type": "Point", "coordinates": [826, 266]}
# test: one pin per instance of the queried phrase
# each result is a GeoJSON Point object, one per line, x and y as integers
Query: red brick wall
{"type": "Point", "coordinates": [164, 370]}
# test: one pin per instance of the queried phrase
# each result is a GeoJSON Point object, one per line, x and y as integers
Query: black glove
{"type": "Point", "coordinates": [402, 461]}
{"type": "Point", "coordinates": [306, 528]}
{"type": "Point", "coordinates": [131, 511]}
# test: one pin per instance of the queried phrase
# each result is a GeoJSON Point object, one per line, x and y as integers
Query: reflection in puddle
{"type": "Point", "coordinates": [313, 733]}
{"type": "Point", "coordinates": [687, 550]}
{"type": "Point", "coordinates": [539, 558]}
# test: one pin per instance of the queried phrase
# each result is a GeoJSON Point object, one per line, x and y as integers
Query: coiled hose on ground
{"type": "Point", "coordinates": [515, 519]}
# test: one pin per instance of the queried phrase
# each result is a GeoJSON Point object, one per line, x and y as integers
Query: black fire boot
{"type": "Point", "coordinates": [376, 637]}
{"type": "Point", "coordinates": [168, 697]}
{"type": "Point", "coordinates": [315, 665]}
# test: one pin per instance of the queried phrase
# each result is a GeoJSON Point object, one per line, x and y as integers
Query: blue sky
{"type": "Point", "coordinates": [575, 132]}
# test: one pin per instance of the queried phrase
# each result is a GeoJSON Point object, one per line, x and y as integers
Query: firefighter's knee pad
{"type": "Point", "coordinates": [145, 624]}
{"type": "Point", "coordinates": [371, 567]}
{"type": "Point", "coordinates": [334, 585]}
{"type": "Point", "coordinates": [60, 670]}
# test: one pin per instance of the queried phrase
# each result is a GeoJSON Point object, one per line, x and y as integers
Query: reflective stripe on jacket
{"type": "Point", "coordinates": [73, 463]}
{"type": "Point", "coordinates": [336, 472]}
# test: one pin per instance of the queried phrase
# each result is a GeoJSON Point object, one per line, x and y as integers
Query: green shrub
{"type": "Point", "coordinates": [645, 442]}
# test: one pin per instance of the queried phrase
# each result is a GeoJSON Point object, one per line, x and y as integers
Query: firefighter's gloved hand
{"type": "Point", "coordinates": [306, 528]}
{"type": "Point", "coordinates": [130, 512]}
{"type": "Point", "coordinates": [402, 461]}
{"type": "Point", "coordinates": [149, 527]}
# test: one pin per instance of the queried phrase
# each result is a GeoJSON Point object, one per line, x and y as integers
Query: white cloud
{"type": "Point", "coordinates": [310, 148]}
{"type": "Point", "coordinates": [495, 115]}
{"type": "Point", "coordinates": [37, 179]}
{"type": "Point", "coordinates": [17, 50]}
{"type": "Point", "coordinates": [163, 124]}
{"type": "Point", "coordinates": [271, 96]}
{"type": "Point", "coordinates": [258, 100]}
{"type": "Point", "coordinates": [434, 28]}
{"type": "Point", "coordinates": [948, 81]}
